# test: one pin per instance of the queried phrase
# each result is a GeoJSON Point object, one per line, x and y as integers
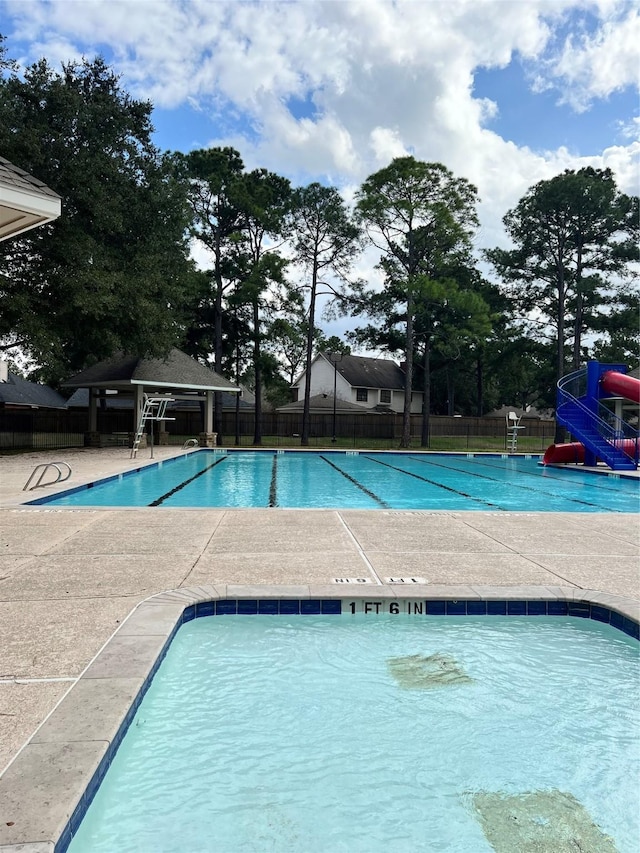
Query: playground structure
{"type": "Point", "coordinates": [584, 405]}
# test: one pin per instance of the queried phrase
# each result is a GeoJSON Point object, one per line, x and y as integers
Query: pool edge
{"type": "Point", "coordinates": [49, 784]}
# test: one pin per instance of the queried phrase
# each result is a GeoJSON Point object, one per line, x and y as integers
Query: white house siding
{"type": "Point", "coordinates": [322, 378]}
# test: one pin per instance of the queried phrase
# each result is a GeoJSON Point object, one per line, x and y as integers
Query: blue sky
{"type": "Point", "coordinates": [503, 92]}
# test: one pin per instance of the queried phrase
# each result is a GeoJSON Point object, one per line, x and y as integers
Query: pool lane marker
{"type": "Point", "coordinates": [273, 486]}
{"type": "Point", "coordinates": [435, 483]}
{"type": "Point", "coordinates": [351, 479]}
{"type": "Point", "coordinates": [513, 485]}
{"type": "Point", "coordinates": [164, 497]}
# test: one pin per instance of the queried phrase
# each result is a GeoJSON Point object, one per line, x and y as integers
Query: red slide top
{"type": "Point", "coordinates": [621, 385]}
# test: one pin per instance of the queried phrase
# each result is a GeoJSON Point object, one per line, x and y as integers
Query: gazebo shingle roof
{"type": "Point", "coordinates": [177, 370]}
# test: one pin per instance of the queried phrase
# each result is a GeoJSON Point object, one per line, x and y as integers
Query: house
{"type": "Point", "coordinates": [322, 404]}
{"type": "Point", "coordinates": [375, 384]}
{"type": "Point", "coordinates": [18, 393]}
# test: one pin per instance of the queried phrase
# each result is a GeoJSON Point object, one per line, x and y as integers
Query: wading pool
{"type": "Point", "coordinates": [379, 731]}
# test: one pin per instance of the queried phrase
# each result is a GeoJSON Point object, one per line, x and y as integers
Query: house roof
{"type": "Point", "coordinates": [177, 371]}
{"type": "Point", "coordinates": [24, 201]}
{"type": "Point", "coordinates": [20, 392]}
{"type": "Point", "coordinates": [365, 372]}
{"type": "Point", "coordinates": [324, 403]}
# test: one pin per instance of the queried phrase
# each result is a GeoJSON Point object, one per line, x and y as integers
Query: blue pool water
{"type": "Point", "coordinates": [360, 481]}
{"type": "Point", "coordinates": [362, 735]}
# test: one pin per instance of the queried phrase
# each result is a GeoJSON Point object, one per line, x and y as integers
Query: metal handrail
{"type": "Point", "coordinates": [45, 467]}
{"type": "Point", "coordinates": [609, 426]}
{"type": "Point", "coordinates": [190, 442]}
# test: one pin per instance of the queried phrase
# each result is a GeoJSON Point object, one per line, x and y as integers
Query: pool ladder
{"type": "Point", "coordinates": [43, 468]}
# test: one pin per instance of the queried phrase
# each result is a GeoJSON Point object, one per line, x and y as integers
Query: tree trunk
{"type": "Point", "coordinates": [257, 368]}
{"type": "Point", "coordinates": [304, 440]}
{"type": "Point", "coordinates": [560, 431]}
{"type": "Point", "coordinates": [217, 411]}
{"type": "Point", "coordinates": [426, 393]}
{"type": "Point", "coordinates": [577, 332]}
{"type": "Point", "coordinates": [405, 441]}
{"type": "Point", "coordinates": [451, 394]}
{"type": "Point", "coordinates": [479, 384]}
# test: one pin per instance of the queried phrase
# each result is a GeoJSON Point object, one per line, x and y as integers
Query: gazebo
{"type": "Point", "coordinates": [176, 377]}
{"type": "Point", "coordinates": [25, 202]}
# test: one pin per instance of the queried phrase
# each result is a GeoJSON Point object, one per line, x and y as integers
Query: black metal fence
{"type": "Point", "coordinates": [53, 429]}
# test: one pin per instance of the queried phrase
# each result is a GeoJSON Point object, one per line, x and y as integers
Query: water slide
{"type": "Point", "coordinates": [610, 383]}
{"type": "Point", "coordinates": [621, 385]}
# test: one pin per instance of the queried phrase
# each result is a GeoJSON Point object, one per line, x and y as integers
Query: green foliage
{"type": "Point", "coordinates": [423, 219]}
{"type": "Point", "coordinates": [326, 240]}
{"type": "Point", "coordinates": [112, 272]}
{"type": "Point", "coordinates": [576, 239]}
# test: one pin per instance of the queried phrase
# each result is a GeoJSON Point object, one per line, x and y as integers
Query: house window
{"type": "Point", "coordinates": [362, 395]}
{"type": "Point", "coordinates": [294, 395]}
{"type": "Point", "coordinates": [385, 396]}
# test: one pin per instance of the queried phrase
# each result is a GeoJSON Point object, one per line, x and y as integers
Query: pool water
{"type": "Point", "coordinates": [359, 481]}
{"type": "Point", "coordinates": [334, 734]}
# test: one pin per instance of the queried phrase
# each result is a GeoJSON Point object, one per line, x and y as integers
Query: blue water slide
{"type": "Point", "coordinates": [580, 410]}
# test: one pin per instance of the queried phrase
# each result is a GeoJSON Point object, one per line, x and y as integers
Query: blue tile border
{"type": "Point", "coordinates": [427, 607]}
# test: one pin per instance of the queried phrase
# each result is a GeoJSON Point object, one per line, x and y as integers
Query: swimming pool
{"type": "Point", "coordinates": [358, 480]}
{"type": "Point", "coordinates": [321, 734]}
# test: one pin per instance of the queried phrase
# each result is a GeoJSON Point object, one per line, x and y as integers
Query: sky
{"type": "Point", "coordinates": [504, 93]}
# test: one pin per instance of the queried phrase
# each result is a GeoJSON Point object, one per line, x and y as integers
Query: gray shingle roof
{"type": "Point", "coordinates": [364, 372]}
{"type": "Point", "coordinates": [177, 370]}
{"type": "Point", "coordinates": [13, 176]}
{"type": "Point", "coordinates": [21, 392]}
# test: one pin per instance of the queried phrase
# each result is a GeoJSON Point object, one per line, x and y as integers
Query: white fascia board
{"type": "Point", "coordinates": [231, 390]}
{"type": "Point", "coordinates": [21, 210]}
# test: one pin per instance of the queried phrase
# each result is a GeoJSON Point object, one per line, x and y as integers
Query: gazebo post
{"type": "Point", "coordinates": [92, 437]}
{"type": "Point", "coordinates": [208, 438]}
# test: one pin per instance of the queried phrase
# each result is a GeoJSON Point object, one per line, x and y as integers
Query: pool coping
{"type": "Point", "coordinates": [49, 784]}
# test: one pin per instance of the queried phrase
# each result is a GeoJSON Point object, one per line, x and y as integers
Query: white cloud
{"type": "Point", "coordinates": [595, 65]}
{"type": "Point", "coordinates": [384, 78]}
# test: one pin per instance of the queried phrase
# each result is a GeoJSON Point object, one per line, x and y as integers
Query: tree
{"type": "Point", "coordinates": [325, 241]}
{"type": "Point", "coordinates": [422, 218]}
{"type": "Point", "coordinates": [576, 238]}
{"type": "Point", "coordinates": [265, 199]}
{"type": "Point", "coordinates": [112, 273]}
{"type": "Point", "coordinates": [215, 177]}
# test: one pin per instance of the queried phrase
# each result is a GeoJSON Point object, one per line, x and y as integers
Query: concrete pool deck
{"type": "Point", "coordinates": [70, 577]}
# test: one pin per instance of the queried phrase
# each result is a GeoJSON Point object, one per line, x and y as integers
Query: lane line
{"type": "Point", "coordinates": [352, 480]}
{"type": "Point", "coordinates": [435, 483]}
{"type": "Point", "coordinates": [513, 485]}
{"type": "Point", "coordinates": [164, 497]}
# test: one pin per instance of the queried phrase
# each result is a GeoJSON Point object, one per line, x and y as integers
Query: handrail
{"type": "Point", "coordinates": [611, 428]}
{"type": "Point", "coordinates": [190, 442]}
{"type": "Point", "coordinates": [45, 467]}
